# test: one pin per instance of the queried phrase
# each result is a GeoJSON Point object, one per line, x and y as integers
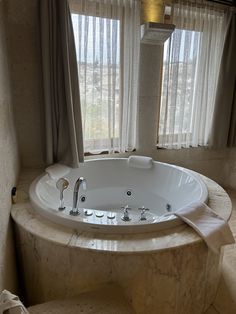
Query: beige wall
{"type": "Point", "coordinates": [230, 169]}
{"type": "Point", "coordinates": [8, 167]}
{"type": "Point", "coordinates": [24, 50]}
{"type": "Point", "coordinates": [26, 76]}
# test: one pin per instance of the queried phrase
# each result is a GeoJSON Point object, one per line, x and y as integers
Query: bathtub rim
{"type": "Point", "coordinates": [172, 238]}
{"type": "Point", "coordinates": [78, 223]}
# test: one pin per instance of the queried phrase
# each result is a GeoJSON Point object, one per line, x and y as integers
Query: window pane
{"type": "Point", "coordinates": [190, 73]}
{"type": "Point", "coordinates": [180, 62]}
{"type": "Point", "coordinates": [98, 55]}
{"type": "Point", "coordinates": [179, 68]}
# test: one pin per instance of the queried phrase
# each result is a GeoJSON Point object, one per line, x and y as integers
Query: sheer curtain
{"type": "Point", "coordinates": [107, 44]}
{"type": "Point", "coordinates": [190, 71]}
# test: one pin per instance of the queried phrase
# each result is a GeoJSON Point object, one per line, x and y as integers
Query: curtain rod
{"type": "Point", "coordinates": [217, 4]}
{"type": "Point", "coordinates": [231, 3]}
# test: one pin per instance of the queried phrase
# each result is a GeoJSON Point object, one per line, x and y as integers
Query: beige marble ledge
{"type": "Point", "coordinates": [24, 215]}
{"type": "Point", "coordinates": [108, 300]}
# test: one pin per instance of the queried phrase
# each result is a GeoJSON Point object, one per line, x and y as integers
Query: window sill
{"type": "Point", "coordinates": [182, 148]}
{"type": "Point", "coordinates": [106, 152]}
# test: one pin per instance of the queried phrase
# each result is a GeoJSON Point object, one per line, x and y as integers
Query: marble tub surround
{"type": "Point", "coordinates": [108, 300]}
{"type": "Point", "coordinates": [170, 271]}
{"type": "Point", "coordinates": [180, 280]}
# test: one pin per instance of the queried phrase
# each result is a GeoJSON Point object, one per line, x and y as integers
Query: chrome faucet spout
{"type": "Point", "coordinates": [81, 182]}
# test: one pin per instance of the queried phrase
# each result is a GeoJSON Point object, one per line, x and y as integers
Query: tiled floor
{"type": "Point", "coordinates": [225, 302]}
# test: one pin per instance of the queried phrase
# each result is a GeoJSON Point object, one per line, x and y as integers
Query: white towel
{"type": "Point", "coordinates": [210, 226]}
{"type": "Point", "coordinates": [11, 304]}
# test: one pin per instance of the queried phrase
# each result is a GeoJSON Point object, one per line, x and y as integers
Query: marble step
{"type": "Point", "coordinates": [108, 300]}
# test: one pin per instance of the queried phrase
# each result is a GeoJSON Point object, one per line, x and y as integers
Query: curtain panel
{"type": "Point", "coordinates": [64, 139]}
{"type": "Point", "coordinates": [190, 71]}
{"type": "Point", "coordinates": [107, 37]}
{"type": "Point", "coordinates": [223, 133]}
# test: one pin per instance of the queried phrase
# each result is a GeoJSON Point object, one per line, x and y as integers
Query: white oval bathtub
{"type": "Point", "coordinates": [116, 183]}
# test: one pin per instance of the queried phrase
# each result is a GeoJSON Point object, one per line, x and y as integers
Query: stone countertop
{"type": "Point", "coordinates": [24, 215]}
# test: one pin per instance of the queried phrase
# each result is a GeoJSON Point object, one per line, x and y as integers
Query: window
{"type": "Point", "coordinates": [190, 72]}
{"type": "Point", "coordinates": [107, 65]}
{"type": "Point", "coordinates": [97, 43]}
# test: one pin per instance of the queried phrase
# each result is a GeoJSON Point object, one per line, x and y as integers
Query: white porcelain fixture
{"type": "Point", "coordinates": [113, 184]}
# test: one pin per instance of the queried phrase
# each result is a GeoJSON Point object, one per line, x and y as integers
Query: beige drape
{"type": "Point", "coordinates": [223, 132]}
{"type": "Point", "coordinates": [64, 141]}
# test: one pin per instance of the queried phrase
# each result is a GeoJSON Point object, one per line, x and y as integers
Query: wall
{"type": "Point", "coordinates": [24, 49]}
{"type": "Point", "coordinates": [230, 169]}
{"type": "Point", "coordinates": [8, 167]}
{"type": "Point", "coordinates": [26, 76]}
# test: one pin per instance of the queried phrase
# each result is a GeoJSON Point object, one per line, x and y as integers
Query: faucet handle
{"type": "Point", "coordinates": [143, 208]}
{"type": "Point", "coordinates": [126, 216]}
{"type": "Point", "coordinates": [143, 212]}
{"type": "Point", "coordinates": [126, 207]}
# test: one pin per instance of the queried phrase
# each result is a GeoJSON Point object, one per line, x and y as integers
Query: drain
{"type": "Point", "coordinates": [82, 198]}
{"type": "Point", "coordinates": [128, 192]}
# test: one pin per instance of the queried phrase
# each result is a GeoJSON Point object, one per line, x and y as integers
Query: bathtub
{"type": "Point", "coordinates": [112, 185]}
{"type": "Point", "coordinates": [173, 269]}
